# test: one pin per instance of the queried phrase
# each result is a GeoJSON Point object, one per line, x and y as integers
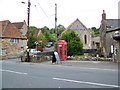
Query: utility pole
{"type": "Point", "coordinates": [28, 20]}
{"type": "Point", "coordinates": [56, 20]}
{"type": "Point", "coordinates": [28, 30]}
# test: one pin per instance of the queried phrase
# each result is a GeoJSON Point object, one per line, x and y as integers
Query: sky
{"type": "Point", "coordinates": [42, 12]}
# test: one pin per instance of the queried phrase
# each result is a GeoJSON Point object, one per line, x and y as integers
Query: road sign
{"type": "Point", "coordinates": [57, 57]}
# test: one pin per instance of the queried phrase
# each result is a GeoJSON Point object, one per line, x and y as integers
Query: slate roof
{"type": "Point", "coordinates": [82, 26]}
{"type": "Point", "coordinates": [79, 26]}
{"type": "Point", "coordinates": [113, 24]}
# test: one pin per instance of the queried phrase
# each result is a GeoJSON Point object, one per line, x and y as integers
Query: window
{"type": "Point", "coordinates": [13, 40]}
{"type": "Point", "coordinates": [85, 38]}
{"type": "Point", "coordinates": [2, 51]}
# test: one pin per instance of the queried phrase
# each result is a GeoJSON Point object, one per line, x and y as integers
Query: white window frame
{"type": "Point", "coordinates": [14, 40]}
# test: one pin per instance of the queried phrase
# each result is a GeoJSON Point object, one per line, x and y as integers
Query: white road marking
{"type": "Point", "coordinates": [83, 82]}
{"type": "Point", "coordinates": [99, 69]}
{"type": "Point", "coordinates": [13, 72]}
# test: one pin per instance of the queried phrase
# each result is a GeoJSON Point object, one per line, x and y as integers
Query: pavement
{"type": "Point", "coordinates": [87, 64]}
{"type": "Point", "coordinates": [75, 63]}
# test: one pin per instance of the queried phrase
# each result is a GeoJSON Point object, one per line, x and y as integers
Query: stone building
{"type": "Point", "coordinates": [96, 42]}
{"type": "Point", "coordinates": [108, 28]}
{"type": "Point", "coordinates": [113, 45]}
{"type": "Point", "coordinates": [84, 33]}
{"type": "Point", "coordinates": [13, 38]}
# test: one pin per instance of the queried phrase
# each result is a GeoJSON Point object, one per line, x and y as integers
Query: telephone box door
{"type": "Point", "coordinates": [62, 49]}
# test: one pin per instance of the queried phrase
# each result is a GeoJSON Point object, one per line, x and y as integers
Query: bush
{"type": "Point", "coordinates": [75, 46]}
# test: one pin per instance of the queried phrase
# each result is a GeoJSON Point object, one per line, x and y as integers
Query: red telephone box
{"type": "Point", "coordinates": [62, 49]}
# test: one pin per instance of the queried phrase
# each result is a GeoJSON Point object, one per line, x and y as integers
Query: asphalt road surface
{"type": "Point", "coordinates": [16, 74]}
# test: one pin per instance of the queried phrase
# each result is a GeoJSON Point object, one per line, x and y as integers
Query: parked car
{"type": "Point", "coordinates": [33, 52]}
{"type": "Point", "coordinates": [116, 35]}
{"type": "Point", "coordinates": [49, 44]}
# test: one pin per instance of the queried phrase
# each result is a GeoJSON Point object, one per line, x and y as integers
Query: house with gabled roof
{"type": "Point", "coordinates": [107, 32]}
{"type": "Point", "coordinates": [83, 32]}
{"type": "Point", "coordinates": [12, 38]}
{"type": "Point", "coordinates": [22, 26]}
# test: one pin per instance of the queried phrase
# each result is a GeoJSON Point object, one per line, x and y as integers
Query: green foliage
{"type": "Point", "coordinates": [75, 46]}
{"type": "Point", "coordinates": [31, 41]}
{"type": "Point", "coordinates": [95, 32]}
{"type": "Point", "coordinates": [42, 41]}
{"type": "Point", "coordinates": [53, 37]}
{"type": "Point", "coordinates": [34, 37]}
{"type": "Point", "coordinates": [60, 28]}
{"type": "Point", "coordinates": [47, 33]}
{"type": "Point", "coordinates": [44, 29]}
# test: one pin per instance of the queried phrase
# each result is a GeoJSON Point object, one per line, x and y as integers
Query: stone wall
{"type": "Point", "coordinates": [9, 49]}
{"type": "Point", "coordinates": [116, 44]}
{"type": "Point", "coordinates": [82, 34]}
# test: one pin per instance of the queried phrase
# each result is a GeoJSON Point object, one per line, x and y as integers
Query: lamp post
{"type": "Point", "coordinates": [28, 29]}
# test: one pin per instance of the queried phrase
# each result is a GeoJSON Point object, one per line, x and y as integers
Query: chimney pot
{"type": "Point", "coordinates": [104, 15]}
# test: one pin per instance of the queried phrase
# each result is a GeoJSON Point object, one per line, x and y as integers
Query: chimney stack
{"type": "Point", "coordinates": [103, 35]}
{"type": "Point", "coordinates": [104, 15]}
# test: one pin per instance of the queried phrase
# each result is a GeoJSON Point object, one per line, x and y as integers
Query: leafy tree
{"type": "Point", "coordinates": [59, 30]}
{"type": "Point", "coordinates": [45, 29]}
{"type": "Point", "coordinates": [95, 32]}
{"type": "Point", "coordinates": [53, 37]}
{"type": "Point", "coordinates": [34, 37]}
{"type": "Point", "coordinates": [52, 30]}
{"type": "Point", "coordinates": [42, 41]}
{"type": "Point", "coordinates": [48, 34]}
{"type": "Point", "coordinates": [31, 41]}
{"type": "Point", "coordinates": [75, 46]}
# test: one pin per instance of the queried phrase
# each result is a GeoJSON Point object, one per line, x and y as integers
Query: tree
{"type": "Point", "coordinates": [60, 29]}
{"type": "Point", "coordinates": [47, 33]}
{"type": "Point", "coordinates": [75, 46]}
{"type": "Point", "coordinates": [95, 32]}
{"type": "Point", "coordinates": [42, 41]}
{"type": "Point", "coordinates": [32, 37]}
{"type": "Point", "coordinates": [45, 29]}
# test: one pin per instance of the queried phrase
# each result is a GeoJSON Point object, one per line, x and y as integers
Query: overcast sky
{"type": "Point", "coordinates": [43, 11]}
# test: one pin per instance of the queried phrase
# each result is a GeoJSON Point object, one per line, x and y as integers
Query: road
{"type": "Point", "coordinates": [16, 74]}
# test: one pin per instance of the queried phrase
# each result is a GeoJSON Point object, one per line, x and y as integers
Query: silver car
{"type": "Point", "coordinates": [33, 52]}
